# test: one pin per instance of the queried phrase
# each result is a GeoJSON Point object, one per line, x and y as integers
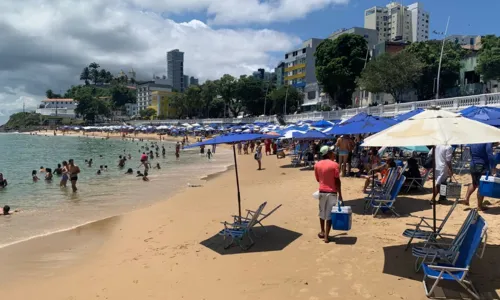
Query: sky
{"type": "Point", "coordinates": [44, 44]}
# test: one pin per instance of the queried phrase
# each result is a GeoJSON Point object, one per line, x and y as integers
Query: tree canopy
{"type": "Point", "coordinates": [393, 74]}
{"type": "Point", "coordinates": [339, 63]}
{"type": "Point", "coordinates": [489, 58]}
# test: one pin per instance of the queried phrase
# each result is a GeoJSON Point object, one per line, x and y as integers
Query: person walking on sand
{"type": "Point", "coordinates": [327, 175]}
{"type": "Point", "coordinates": [177, 149]}
{"type": "Point", "coordinates": [258, 155]}
{"type": "Point", "coordinates": [343, 147]}
{"type": "Point", "coordinates": [74, 170]}
{"type": "Point", "coordinates": [482, 162]}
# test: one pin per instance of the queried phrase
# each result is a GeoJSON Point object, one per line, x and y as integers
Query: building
{"type": "Point", "coordinates": [388, 47]}
{"type": "Point", "coordinates": [300, 72]}
{"type": "Point", "coordinates": [396, 22]}
{"type": "Point", "coordinates": [370, 35]}
{"type": "Point", "coordinates": [279, 71]}
{"type": "Point", "coordinates": [145, 90]}
{"type": "Point", "coordinates": [194, 81]}
{"type": "Point", "coordinates": [471, 82]}
{"type": "Point", "coordinates": [469, 42]}
{"type": "Point", "coordinates": [58, 107]}
{"type": "Point", "coordinates": [263, 75]}
{"type": "Point", "coordinates": [186, 82]}
{"type": "Point", "coordinates": [160, 101]}
{"type": "Point", "coordinates": [131, 109]}
{"type": "Point", "coordinates": [175, 70]}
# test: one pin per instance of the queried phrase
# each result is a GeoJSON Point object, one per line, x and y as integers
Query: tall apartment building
{"type": "Point", "coordinates": [280, 74]}
{"type": "Point", "coordinates": [370, 35]}
{"type": "Point", "coordinates": [175, 69]}
{"type": "Point", "coordinates": [396, 22]}
{"type": "Point", "coordinates": [145, 90]}
{"type": "Point", "coordinates": [186, 81]}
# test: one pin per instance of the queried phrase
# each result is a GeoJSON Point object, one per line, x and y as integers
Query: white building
{"type": "Point", "coordinates": [58, 107]}
{"type": "Point", "coordinates": [131, 109]}
{"type": "Point", "coordinates": [144, 90]}
{"type": "Point", "coordinates": [399, 23]}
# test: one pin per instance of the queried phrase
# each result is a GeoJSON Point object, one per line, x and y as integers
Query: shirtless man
{"type": "Point", "coordinates": [6, 211]}
{"type": "Point", "coordinates": [74, 170]}
{"type": "Point", "coordinates": [344, 146]}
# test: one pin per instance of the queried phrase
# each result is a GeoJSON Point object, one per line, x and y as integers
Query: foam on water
{"type": "Point", "coordinates": [46, 208]}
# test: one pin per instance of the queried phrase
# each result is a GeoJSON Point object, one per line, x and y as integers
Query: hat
{"type": "Point", "coordinates": [325, 149]}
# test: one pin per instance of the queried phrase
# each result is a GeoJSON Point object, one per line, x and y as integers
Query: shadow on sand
{"type": "Point", "coordinates": [276, 239]}
{"type": "Point", "coordinates": [485, 273]}
{"type": "Point", "coordinates": [404, 205]}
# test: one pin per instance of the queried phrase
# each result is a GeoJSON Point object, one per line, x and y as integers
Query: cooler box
{"type": "Point", "coordinates": [341, 218]}
{"type": "Point", "coordinates": [489, 186]}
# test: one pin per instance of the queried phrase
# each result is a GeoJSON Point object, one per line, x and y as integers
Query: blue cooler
{"type": "Point", "coordinates": [341, 217]}
{"type": "Point", "coordinates": [489, 186]}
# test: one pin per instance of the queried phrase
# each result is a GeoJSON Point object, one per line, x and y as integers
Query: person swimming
{"type": "Point", "coordinates": [158, 166]}
{"type": "Point", "coordinates": [129, 171]}
{"type": "Point", "coordinates": [42, 169]}
{"type": "Point", "coordinates": [48, 174]}
{"type": "Point", "coordinates": [34, 176]}
{"type": "Point", "coordinates": [6, 211]}
{"type": "Point", "coordinates": [105, 168]}
{"type": "Point", "coordinates": [65, 176]}
{"type": "Point", "coordinates": [58, 170]}
{"type": "Point", "coordinates": [98, 172]}
{"type": "Point", "coordinates": [3, 181]}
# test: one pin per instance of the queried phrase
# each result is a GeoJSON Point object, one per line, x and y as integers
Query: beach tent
{"type": "Point", "coordinates": [234, 139]}
{"type": "Point", "coordinates": [370, 124]}
{"type": "Point", "coordinates": [434, 127]}
{"type": "Point", "coordinates": [487, 115]}
{"type": "Point", "coordinates": [405, 116]}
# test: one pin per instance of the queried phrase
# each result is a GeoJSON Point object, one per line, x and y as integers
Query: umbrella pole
{"type": "Point", "coordinates": [434, 187]}
{"type": "Point", "coordinates": [237, 182]}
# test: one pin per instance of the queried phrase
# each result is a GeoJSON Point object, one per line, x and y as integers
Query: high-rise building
{"type": "Point", "coordinates": [280, 74]}
{"type": "Point", "coordinates": [193, 81]}
{"type": "Point", "coordinates": [175, 69]}
{"type": "Point", "coordinates": [186, 81]}
{"type": "Point", "coordinates": [370, 35]}
{"type": "Point", "coordinates": [396, 22]}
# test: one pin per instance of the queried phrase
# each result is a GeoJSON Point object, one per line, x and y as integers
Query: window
{"type": "Point", "coordinates": [311, 95]}
{"type": "Point", "coordinates": [304, 50]}
{"type": "Point", "coordinates": [294, 53]}
{"type": "Point", "coordinates": [370, 12]}
{"type": "Point", "coordinates": [386, 18]}
{"type": "Point", "coordinates": [286, 56]}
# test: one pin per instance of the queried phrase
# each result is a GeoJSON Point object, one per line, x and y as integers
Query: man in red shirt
{"type": "Point", "coordinates": [327, 174]}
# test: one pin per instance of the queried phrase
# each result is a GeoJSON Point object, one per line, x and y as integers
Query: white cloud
{"type": "Point", "coordinates": [241, 11]}
{"type": "Point", "coordinates": [46, 43]}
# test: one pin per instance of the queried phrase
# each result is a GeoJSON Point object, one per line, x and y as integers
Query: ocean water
{"type": "Point", "coordinates": [47, 208]}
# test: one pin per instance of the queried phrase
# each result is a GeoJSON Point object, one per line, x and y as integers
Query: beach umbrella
{"type": "Point", "coordinates": [359, 117]}
{"type": "Point", "coordinates": [312, 135]}
{"type": "Point", "coordinates": [233, 139]}
{"type": "Point", "coordinates": [434, 127]}
{"type": "Point", "coordinates": [468, 109]}
{"type": "Point", "coordinates": [487, 115]}
{"type": "Point", "coordinates": [370, 124]}
{"type": "Point", "coordinates": [322, 123]}
{"type": "Point", "coordinates": [405, 116]}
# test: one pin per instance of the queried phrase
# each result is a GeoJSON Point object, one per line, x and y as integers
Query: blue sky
{"type": "Point", "coordinates": [467, 17]}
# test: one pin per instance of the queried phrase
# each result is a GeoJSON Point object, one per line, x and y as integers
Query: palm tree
{"type": "Point", "coordinates": [85, 75]}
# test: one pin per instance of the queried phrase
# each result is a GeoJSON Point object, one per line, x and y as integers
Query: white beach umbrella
{"type": "Point", "coordinates": [434, 127]}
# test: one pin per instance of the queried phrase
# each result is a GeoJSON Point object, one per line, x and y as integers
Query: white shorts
{"type": "Point", "coordinates": [441, 176]}
{"type": "Point", "coordinates": [326, 203]}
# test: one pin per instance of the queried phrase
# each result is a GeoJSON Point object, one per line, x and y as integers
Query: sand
{"type": "Point", "coordinates": [171, 251]}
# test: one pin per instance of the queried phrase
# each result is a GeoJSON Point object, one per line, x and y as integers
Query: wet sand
{"type": "Point", "coordinates": [171, 250]}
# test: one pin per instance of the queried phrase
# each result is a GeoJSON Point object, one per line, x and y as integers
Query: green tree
{"type": "Point", "coordinates": [226, 89]}
{"type": "Point", "coordinates": [489, 58]}
{"type": "Point", "coordinates": [285, 94]}
{"type": "Point", "coordinates": [250, 93]}
{"type": "Point", "coordinates": [208, 95]}
{"type": "Point", "coordinates": [94, 72]}
{"type": "Point", "coordinates": [338, 64]}
{"type": "Point", "coordinates": [85, 75]}
{"type": "Point", "coordinates": [121, 95]}
{"type": "Point", "coordinates": [90, 107]}
{"type": "Point", "coordinates": [428, 53]}
{"type": "Point", "coordinates": [178, 103]}
{"type": "Point", "coordinates": [51, 95]}
{"type": "Point", "coordinates": [23, 120]}
{"type": "Point", "coordinates": [394, 74]}
{"type": "Point", "coordinates": [147, 113]}
{"type": "Point", "coordinates": [193, 101]}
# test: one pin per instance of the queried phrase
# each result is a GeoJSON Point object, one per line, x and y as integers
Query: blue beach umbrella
{"type": "Point", "coordinates": [487, 115]}
{"type": "Point", "coordinates": [406, 116]}
{"type": "Point", "coordinates": [233, 139]}
{"type": "Point", "coordinates": [359, 117]}
{"type": "Point", "coordinates": [322, 123]}
{"type": "Point", "coordinates": [370, 124]}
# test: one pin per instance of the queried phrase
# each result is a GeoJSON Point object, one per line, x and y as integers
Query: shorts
{"type": "Point", "coordinates": [476, 171]}
{"type": "Point", "coordinates": [64, 177]}
{"type": "Point", "coordinates": [441, 176]}
{"type": "Point", "coordinates": [326, 202]}
{"type": "Point", "coordinates": [343, 152]}
{"type": "Point", "coordinates": [74, 178]}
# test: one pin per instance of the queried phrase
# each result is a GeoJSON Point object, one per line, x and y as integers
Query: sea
{"type": "Point", "coordinates": [47, 208]}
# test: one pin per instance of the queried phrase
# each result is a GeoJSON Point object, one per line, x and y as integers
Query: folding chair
{"type": "Point", "coordinates": [388, 204]}
{"type": "Point", "coordinates": [249, 216]}
{"type": "Point", "coordinates": [459, 271]}
{"type": "Point", "coordinates": [418, 182]}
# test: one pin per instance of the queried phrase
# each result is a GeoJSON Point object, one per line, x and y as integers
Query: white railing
{"type": "Point", "coordinates": [451, 104]}
{"type": "Point", "coordinates": [61, 112]}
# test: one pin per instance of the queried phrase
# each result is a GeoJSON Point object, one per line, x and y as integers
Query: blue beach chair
{"type": "Point", "coordinates": [423, 230]}
{"type": "Point", "coordinates": [433, 251]}
{"type": "Point", "coordinates": [382, 191]}
{"type": "Point", "coordinates": [261, 217]}
{"type": "Point", "coordinates": [236, 232]}
{"type": "Point", "coordinates": [388, 204]}
{"type": "Point", "coordinates": [474, 236]}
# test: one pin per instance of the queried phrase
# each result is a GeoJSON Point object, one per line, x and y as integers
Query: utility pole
{"type": "Point", "coordinates": [441, 58]}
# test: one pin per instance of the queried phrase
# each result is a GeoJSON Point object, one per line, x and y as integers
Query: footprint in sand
{"type": "Point", "coordinates": [361, 291]}
{"type": "Point", "coordinates": [333, 292]}
{"type": "Point", "coordinates": [313, 298]}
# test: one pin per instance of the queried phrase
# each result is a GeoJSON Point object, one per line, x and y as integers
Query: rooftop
{"type": "Point", "coordinates": [58, 100]}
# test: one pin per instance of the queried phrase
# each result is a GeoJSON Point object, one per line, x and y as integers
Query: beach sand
{"type": "Point", "coordinates": [171, 251]}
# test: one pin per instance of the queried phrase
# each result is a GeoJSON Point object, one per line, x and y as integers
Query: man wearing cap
{"type": "Point", "coordinates": [327, 174]}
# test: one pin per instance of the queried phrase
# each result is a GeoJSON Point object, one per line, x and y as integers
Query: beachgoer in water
{"type": "Point", "coordinates": [258, 155]}
{"type": "Point", "coordinates": [65, 176]}
{"type": "Point", "coordinates": [34, 176]}
{"type": "Point", "coordinates": [129, 171]}
{"type": "Point", "coordinates": [3, 182]}
{"type": "Point", "coordinates": [58, 170]}
{"type": "Point", "coordinates": [90, 163]}
{"type": "Point", "coordinates": [74, 170]}
{"type": "Point", "coordinates": [98, 172]}
{"type": "Point", "coordinates": [209, 154]}
{"type": "Point", "coordinates": [139, 174]}
{"type": "Point", "coordinates": [202, 149]}
{"type": "Point", "coordinates": [158, 166]}
{"type": "Point", "coordinates": [163, 151]}
{"type": "Point", "coordinates": [6, 211]}
{"type": "Point", "coordinates": [42, 169]}
{"type": "Point", "coordinates": [121, 163]}
{"type": "Point", "coordinates": [129, 156]}
{"type": "Point", "coordinates": [105, 168]}
{"type": "Point", "coordinates": [101, 167]}
{"type": "Point", "coordinates": [48, 174]}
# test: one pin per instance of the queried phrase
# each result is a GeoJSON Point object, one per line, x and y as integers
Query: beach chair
{"type": "Point", "coordinates": [382, 191]}
{"type": "Point", "coordinates": [459, 271]}
{"type": "Point", "coordinates": [418, 182]}
{"type": "Point", "coordinates": [388, 204]}
{"type": "Point", "coordinates": [236, 232]}
{"type": "Point", "coordinates": [423, 230]}
{"type": "Point", "coordinates": [433, 251]}
{"type": "Point", "coordinates": [261, 217]}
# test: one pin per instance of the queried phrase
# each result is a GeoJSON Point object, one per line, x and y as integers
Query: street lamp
{"type": "Point", "coordinates": [441, 58]}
